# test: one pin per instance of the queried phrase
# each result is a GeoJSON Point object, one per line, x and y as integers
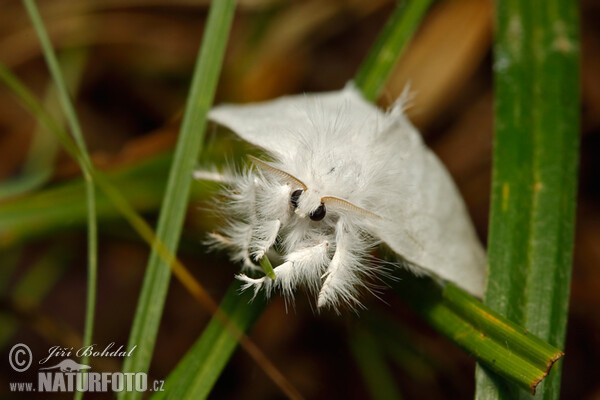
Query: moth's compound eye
{"type": "Point", "coordinates": [318, 214]}
{"type": "Point", "coordinates": [295, 197]}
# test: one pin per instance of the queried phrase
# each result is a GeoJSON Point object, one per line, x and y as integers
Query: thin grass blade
{"type": "Point", "coordinates": [197, 372]}
{"type": "Point", "coordinates": [71, 117]}
{"type": "Point", "coordinates": [156, 281]}
{"type": "Point", "coordinates": [386, 51]}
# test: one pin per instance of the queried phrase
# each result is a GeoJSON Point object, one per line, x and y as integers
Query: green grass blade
{"type": "Point", "coordinates": [197, 372]}
{"type": "Point", "coordinates": [491, 339]}
{"type": "Point", "coordinates": [69, 110]}
{"type": "Point", "coordinates": [388, 48]}
{"type": "Point", "coordinates": [536, 73]}
{"type": "Point", "coordinates": [156, 281]}
{"type": "Point", "coordinates": [265, 263]}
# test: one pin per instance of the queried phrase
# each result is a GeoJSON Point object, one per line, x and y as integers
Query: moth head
{"type": "Point", "coordinates": [303, 202]}
{"type": "Point", "coordinates": [308, 203]}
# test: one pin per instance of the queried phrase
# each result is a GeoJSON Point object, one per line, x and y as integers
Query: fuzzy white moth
{"type": "Point", "coordinates": [341, 176]}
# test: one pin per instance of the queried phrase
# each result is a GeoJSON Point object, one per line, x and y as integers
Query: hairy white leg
{"type": "Point", "coordinates": [275, 213]}
{"type": "Point", "coordinates": [284, 280]}
{"type": "Point", "coordinates": [303, 265]}
{"type": "Point", "coordinates": [342, 275]}
{"type": "Point", "coordinates": [264, 237]}
{"type": "Point", "coordinates": [310, 263]}
{"type": "Point", "coordinates": [238, 235]}
{"type": "Point", "coordinates": [241, 253]}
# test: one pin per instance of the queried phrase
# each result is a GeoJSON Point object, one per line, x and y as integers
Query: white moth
{"type": "Point", "coordinates": [339, 177]}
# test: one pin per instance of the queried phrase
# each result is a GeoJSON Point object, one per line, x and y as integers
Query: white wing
{"type": "Point", "coordinates": [271, 125]}
{"type": "Point", "coordinates": [433, 230]}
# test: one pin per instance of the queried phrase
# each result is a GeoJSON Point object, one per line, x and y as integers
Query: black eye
{"type": "Point", "coordinates": [318, 214]}
{"type": "Point", "coordinates": [295, 197]}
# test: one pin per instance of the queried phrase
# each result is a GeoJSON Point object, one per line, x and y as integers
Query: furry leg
{"type": "Point", "coordinates": [239, 234]}
{"type": "Point", "coordinates": [284, 280]}
{"type": "Point", "coordinates": [301, 266]}
{"type": "Point", "coordinates": [264, 237]}
{"type": "Point", "coordinates": [342, 276]}
{"type": "Point", "coordinates": [309, 264]}
{"type": "Point", "coordinates": [240, 253]}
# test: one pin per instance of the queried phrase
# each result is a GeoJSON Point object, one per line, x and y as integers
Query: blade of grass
{"type": "Point", "coordinates": [265, 263]}
{"type": "Point", "coordinates": [196, 373]}
{"type": "Point", "coordinates": [536, 72]}
{"type": "Point", "coordinates": [491, 339]}
{"type": "Point", "coordinates": [156, 281]}
{"type": "Point", "coordinates": [375, 69]}
{"type": "Point", "coordinates": [71, 116]}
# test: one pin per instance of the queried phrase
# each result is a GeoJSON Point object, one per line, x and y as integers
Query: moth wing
{"type": "Point", "coordinates": [272, 125]}
{"type": "Point", "coordinates": [431, 227]}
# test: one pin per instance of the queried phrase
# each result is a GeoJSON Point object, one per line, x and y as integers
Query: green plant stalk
{"type": "Point", "coordinates": [71, 116]}
{"type": "Point", "coordinates": [170, 223]}
{"type": "Point", "coordinates": [397, 32]}
{"type": "Point", "coordinates": [536, 71]}
{"type": "Point", "coordinates": [195, 374]}
{"type": "Point", "coordinates": [265, 263]}
{"type": "Point", "coordinates": [491, 339]}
